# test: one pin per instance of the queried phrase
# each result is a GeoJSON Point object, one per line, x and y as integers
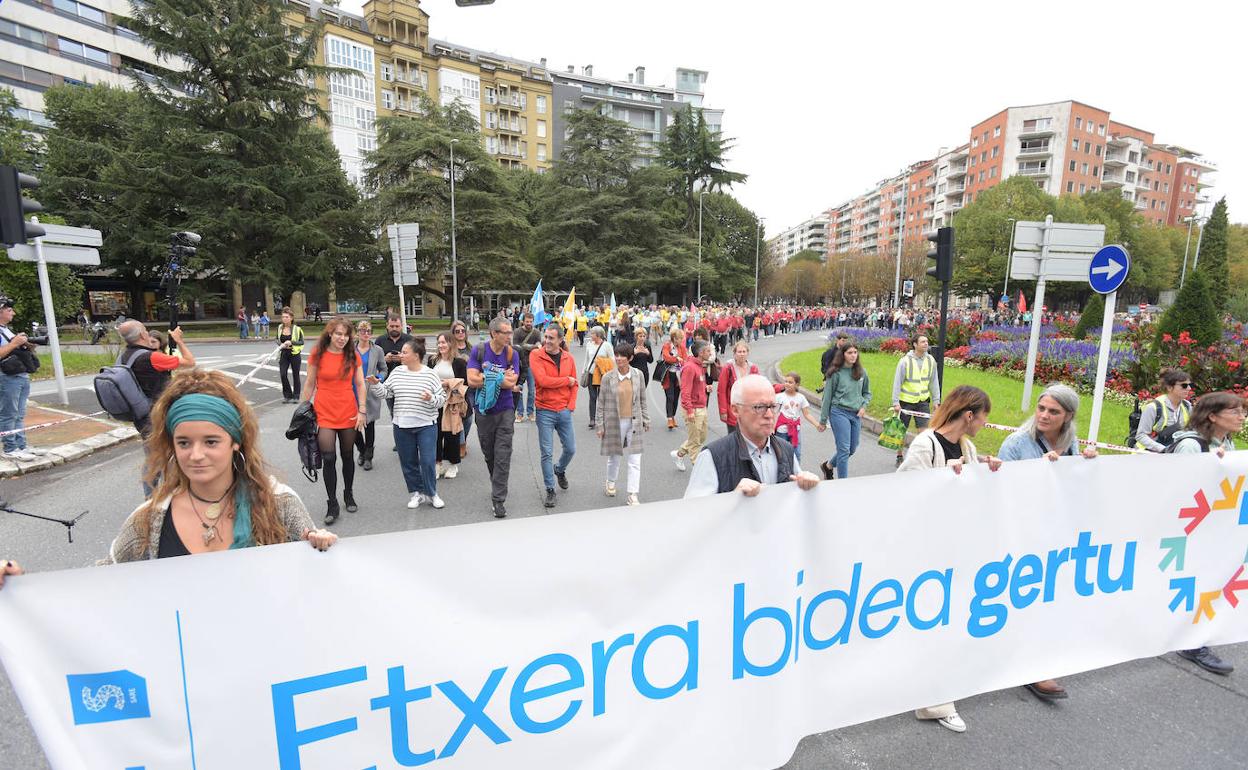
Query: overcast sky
{"type": "Point", "coordinates": [824, 99]}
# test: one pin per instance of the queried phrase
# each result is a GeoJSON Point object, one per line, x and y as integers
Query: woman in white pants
{"type": "Point", "coordinates": [622, 418]}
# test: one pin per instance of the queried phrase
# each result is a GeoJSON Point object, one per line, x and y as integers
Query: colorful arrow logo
{"type": "Point", "coordinates": [1176, 551]}
{"type": "Point", "coordinates": [1196, 513]}
{"type": "Point", "coordinates": [1185, 593]}
{"type": "Point", "coordinates": [1233, 585]}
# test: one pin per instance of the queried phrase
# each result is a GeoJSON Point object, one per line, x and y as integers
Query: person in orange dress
{"type": "Point", "coordinates": [335, 386]}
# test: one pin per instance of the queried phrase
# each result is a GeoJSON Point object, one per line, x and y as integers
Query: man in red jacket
{"type": "Point", "coordinates": [693, 401]}
{"type": "Point", "coordinates": [554, 374]}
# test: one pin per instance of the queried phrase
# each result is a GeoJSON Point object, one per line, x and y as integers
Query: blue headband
{"type": "Point", "coordinates": [202, 407]}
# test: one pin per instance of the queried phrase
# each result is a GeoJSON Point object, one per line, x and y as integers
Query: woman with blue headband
{"type": "Point", "coordinates": [212, 488]}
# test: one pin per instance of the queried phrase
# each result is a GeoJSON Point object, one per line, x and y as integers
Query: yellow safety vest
{"type": "Point", "coordinates": [1164, 411]}
{"type": "Point", "coordinates": [916, 387]}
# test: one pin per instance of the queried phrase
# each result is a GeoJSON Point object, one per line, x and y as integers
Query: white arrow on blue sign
{"type": "Point", "coordinates": [1108, 269]}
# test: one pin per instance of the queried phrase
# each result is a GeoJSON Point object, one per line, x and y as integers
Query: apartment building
{"type": "Point", "coordinates": [647, 109]}
{"type": "Point", "coordinates": [45, 43]}
{"type": "Point", "coordinates": [811, 235]}
{"type": "Point", "coordinates": [1066, 148]}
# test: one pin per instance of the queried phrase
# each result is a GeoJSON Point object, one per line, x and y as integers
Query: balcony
{"type": "Point", "coordinates": [1034, 171]}
{"type": "Point", "coordinates": [960, 154]}
{"type": "Point", "coordinates": [1141, 204]}
{"type": "Point", "coordinates": [1036, 128]}
{"type": "Point", "coordinates": [1112, 180]}
{"type": "Point", "coordinates": [1115, 159]}
{"type": "Point", "coordinates": [504, 128]}
{"type": "Point", "coordinates": [956, 189]}
{"type": "Point", "coordinates": [1038, 149]}
{"type": "Point", "coordinates": [954, 206]}
{"type": "Point", "coordinates": [956, 171]}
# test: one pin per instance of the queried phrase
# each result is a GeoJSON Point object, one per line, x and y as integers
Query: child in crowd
{"type": "Point", "coordinates": [793, 406]}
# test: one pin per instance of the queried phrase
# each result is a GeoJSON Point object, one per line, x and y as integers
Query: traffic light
{"type": "Point", "coordinates": [14, 228]}
{"type": "Point", "coordinates": [942, 253]}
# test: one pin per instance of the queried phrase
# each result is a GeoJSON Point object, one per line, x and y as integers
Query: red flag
{"type": "Point", "coordinates": [1022, 302]}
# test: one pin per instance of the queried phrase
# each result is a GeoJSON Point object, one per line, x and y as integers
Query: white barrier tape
{"type": "Point", "coordinates": [51, 424]}
{"type": "Point", "coordinates": [1010, 429]}
{"type": "Point", "coordinates": [259, 366]}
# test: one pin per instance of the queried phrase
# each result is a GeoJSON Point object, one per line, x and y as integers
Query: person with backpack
{"type": "Point", "coordinates": [152, 369]}
{"type": "Point", "coordinates": [16, 366]}
{"type": "Point", "coordinates": [1166, 414]}
{"type": "Point", "coordinates": [599, 359]}
{"type": "Point", "coordinates": [1215, 419]}
{"type": "Point", "coordinates": [494, 370]}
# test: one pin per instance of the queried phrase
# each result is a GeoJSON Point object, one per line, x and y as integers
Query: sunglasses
{"type": "Point", "coordinates": [1185, 385]}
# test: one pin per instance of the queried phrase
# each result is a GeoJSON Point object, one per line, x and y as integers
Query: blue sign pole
{"type": "Point", "coordinates": [1106, 272]}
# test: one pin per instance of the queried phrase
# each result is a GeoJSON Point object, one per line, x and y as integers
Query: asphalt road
{"type": "Point", "coordinates": [1153, 713]}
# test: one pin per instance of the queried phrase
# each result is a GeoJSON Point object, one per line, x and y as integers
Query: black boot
{"type": "Point", "coordinates": [368, 458]}
{"type": "Point", "coordinates": [331, 511]}
{"type": "Point", "coordinates": [350, 501]}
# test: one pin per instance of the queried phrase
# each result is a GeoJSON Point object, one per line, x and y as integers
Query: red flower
{"type": "Point", "coordinates": [1167, 338]}
{"type": "Point", "coordinates": [1232, 365]}
{"type": "Point", "coordinates": [1183, 361]}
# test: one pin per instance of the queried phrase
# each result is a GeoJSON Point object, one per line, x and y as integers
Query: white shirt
{"type": "Point", "coordinates": [704, 480]}
{"type": "Point", "coordinates": [791, 407]}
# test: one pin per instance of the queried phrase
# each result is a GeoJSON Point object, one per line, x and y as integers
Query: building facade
{"type": "Point", "coordinates": [1066, 148]}
{"type": "Point", "coordinates": [811, 235]}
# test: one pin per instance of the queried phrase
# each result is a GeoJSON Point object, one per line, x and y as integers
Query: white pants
{"type": "Point", "coordinates": [634, 460]}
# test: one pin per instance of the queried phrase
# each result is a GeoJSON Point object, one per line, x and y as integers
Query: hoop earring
{"type": "Point", "coordinates": [240, 460]}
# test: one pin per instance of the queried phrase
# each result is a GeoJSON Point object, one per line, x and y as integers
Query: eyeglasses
{"type": "Point", "coordinates": [1185, 385]}
{"type": "Point", "coordinates": [764, 408]}
{"type": "Point", "coordinates": [1237, 410]}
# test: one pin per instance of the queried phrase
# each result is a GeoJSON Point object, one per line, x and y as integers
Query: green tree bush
{"type": "Point", "coordinates": [1092, 316]}
{"type": "Point", "coordinates": [1193, 312]}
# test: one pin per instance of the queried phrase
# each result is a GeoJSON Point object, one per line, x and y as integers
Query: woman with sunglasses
{"type": "Point", "coordinates": [1167, 414]}
{"type": "Point", "coordinates": [459, 343]}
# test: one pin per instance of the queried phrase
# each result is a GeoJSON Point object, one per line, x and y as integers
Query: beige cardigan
{"type": "Point", "coordinates": [925, 452]}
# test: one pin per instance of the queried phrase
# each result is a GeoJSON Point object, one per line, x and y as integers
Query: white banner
{"type": "Point", "coordinates": [677, 634]}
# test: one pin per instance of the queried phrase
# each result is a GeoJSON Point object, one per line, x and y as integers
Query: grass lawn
{"type": "Point", "coordinates": [75, 363]}
{"type": "Point", "coordinates": [1004, 392]}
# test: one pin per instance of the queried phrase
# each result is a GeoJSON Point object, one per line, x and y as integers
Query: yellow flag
{"type": "Point", "coordinates": [568, 316]}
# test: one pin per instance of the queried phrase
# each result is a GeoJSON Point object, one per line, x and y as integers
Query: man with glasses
{"type": "Point", "coordinates": [1167, 414]}
{"type": "Point", "coordinates": [752, 456]}
{"type": "Point", "coordinates": [494, 369]}
{"type": "Point", "coordinates": [392, 344]}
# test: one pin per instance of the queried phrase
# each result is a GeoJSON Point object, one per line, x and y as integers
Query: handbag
{"type": "Point", "coordinates": [587, 376]}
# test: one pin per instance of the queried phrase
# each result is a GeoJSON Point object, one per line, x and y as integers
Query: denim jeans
{"type": "Point", "coordinates": [530, 394]}
{"type": "Point", "coordinates": [417, 448]}
{"type": "Point", "coordinates": [14, 389]}
{"type": "Point", "coordinates": [797, 448]}
{"type": "Point", "coordinates": [548, 422]}
{"type": "Point", "coordinates": [846, 426]}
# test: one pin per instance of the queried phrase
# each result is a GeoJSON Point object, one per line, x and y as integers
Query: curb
{"type": "Point", "coordinates": [67, 452]}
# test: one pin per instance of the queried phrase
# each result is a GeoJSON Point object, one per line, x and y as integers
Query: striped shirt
{"type": "Point", "coordinates": [406, 387]}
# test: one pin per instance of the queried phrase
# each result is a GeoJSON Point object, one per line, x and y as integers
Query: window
{"type": "Point", "coordinates": [344, 53]}
{"type": "Point", "coordinates": [1078, 123]}
{"type": "Point", "coordinates": [524, 100]}
{"type": "Point", "coordinates": [1074, 144]}
{"type": "Point", "coordinates": [996, 131]}
{"type": "Point", "coordinates": [1101, 129]}
{"type": "Point", "coordinates": [985, 137]}
{"type": "Point", "coordinates": [1081, 188]}
{"type": "Point", "coordinates": [1167, 168]}
{"type": "Point", "coordinates": [981, 176]}
{"type": "Point", "coordinates": [1037, 124]}
{"type": "Point", "coordinates": [996, 150]}
{"type": "Point", "coordinates": [983, 157]}
{"type": "Point", "coordinates": [992, 173]}
{"type": "Point", "coordinates": [424, 80]}
{"type": "Point", "coordinates": [541, 105]}
{"type": "Point", "coordinates": [22, 33]}
{"type": "Point", "coordinates": [541, 129]}
{"type": "Point", "coordinates": [1156, 186]}
{"type": "Point", "coordinates": [387, 99]}
{"type": "Point", "coordinates": [1070, 187]}
{"type": "Point", "coordinates": [387, 71]}
{"type": "Point", "coordinates": [1165, 187]}
{"type": "Point", "coordinates": [541, 152]}
{"type": "Point", "coordinates": [366, 143]}
{"type": "Point", "coordinates": [82, 51]}
{"type": "Point", "coordinates": [1087, 147]}
{"type": "Point", "coordinates": [1163, 205]}
{"type": "Point", "coordinates": [365, 117]}
{"type": "Point", "coordinates": [1098, 151]}
{"type": "Point", "coordinates": [491, 119]}
{"type": "Point", "coordinates": [1096, 171]}
{"type": "Point", "coordinates": [79, 9]}
{"type": "Point", "coordinates": [491, 145]}
{"type": "Point", "coordinates": [1091, 128]}
{"type": "Point", "coordinates": [491, 96]}
{"type": "Point", "coordinates": [1084, 169]}
{"type": "Point", "coordinates": [975, 141]}
{"type": "Point", "coordinates": [1072, 165]}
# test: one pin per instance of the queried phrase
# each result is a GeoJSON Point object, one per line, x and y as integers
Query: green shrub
{"type": "Point", "coordinates": [1092, 316]}
{"type": "Point", "coordinates": [1193, 312]}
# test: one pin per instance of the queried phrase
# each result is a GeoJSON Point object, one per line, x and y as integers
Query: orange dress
{"type": "Point", "coordinates": [334, 402]}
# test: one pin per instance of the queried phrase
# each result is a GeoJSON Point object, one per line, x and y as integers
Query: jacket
{"type": "Point", "coordinates": [374, 366]}
{"type": "Point", "coordinates": [692, 384]}
{"type": "Point", "coordinates": [552, 390]}
{"type": "Point", "coordinates": [608, 417]}
{"type": "Point", "coordinates": [844, 392]}
{"type": "Point", "coordinates": [925, 452]}
{"type": "Point", "coordinates": [302, 420]}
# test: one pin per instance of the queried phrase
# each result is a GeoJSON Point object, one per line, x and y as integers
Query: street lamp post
{"type": "Point", "coordinates": [1186, 245]}
{"type": "Point", "coordinates": [1200, 234]}
{"type": "Point", "coordinates": [701, 195]}
{"type": "Point", "coordinates": [1009, 259]}
{"type": "Point", "coordinates": [758, 234]}
{"type": "Point", "coordinates": [454, 256]}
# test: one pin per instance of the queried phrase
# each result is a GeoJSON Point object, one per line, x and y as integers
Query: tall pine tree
{"type": "Point", "coordinates": [1213, 257]}
{"type": "Point", "coordinates": [699, 157]}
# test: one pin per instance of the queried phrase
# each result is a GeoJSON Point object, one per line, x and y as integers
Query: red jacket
{"type": "Point", "coordinates": [692, 384]}
{"type": "Point", "coordinates": [553, 389]}
{"type": "Point", "coordinates": [728, 377]}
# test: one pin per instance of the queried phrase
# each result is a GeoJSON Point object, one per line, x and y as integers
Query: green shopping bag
{"type": "Point", "coordinates": [893, 436]}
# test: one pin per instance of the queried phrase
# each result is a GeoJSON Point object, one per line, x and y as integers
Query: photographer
{"type": "Point", "coordinates": [17, 361]}
{"type": "Point", "coordinates": [151, 368]}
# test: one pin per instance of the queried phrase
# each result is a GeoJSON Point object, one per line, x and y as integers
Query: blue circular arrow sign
{"type": "Point", "coordinates": [1108, 269]}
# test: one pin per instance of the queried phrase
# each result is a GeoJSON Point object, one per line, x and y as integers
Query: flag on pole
{"type": "Point", "coordinates": [611, 322]}
{"type": "Point", "coordinates": [1022, 302]}
{"type": "Point", "coordinates": [538, 307]}
{"type": "Point", "coordinates": [568, 316]}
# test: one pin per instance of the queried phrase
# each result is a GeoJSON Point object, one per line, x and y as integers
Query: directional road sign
{"type": "Point", "coordinates": [54, 252]}
{"type": "Point", "coordinates": [1064, 257]}
{"type": "Point", "coordinates": [1108, 269]}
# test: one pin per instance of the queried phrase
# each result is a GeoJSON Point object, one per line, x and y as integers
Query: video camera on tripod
{"type": "Point", "coordinates": [182, 246]}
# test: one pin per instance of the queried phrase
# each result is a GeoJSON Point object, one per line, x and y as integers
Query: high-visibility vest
{"type": "Point", "coordinates": [1164, 411]}
{"type": "Point", "coordinates": [916, 386]}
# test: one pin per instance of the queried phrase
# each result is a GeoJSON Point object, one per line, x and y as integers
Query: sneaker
{"type": "Point", "coordinates": [452, 471]}
{"type": "Point", "coordinates": [500, 512]}
{"type": "Point", "coordinates": [549, 502]}
{"type": "Point", "coordinates": [562, 478]}
{"type": "Point", "coordinates": [1206, 659]}
{"type": "Point", "coordinates": [610, 489]}
{"type": "Point", "coordinates": [952, 722]}
{"type": "Point", "coordinates": [417, 499]}
{"type": "Point", "coordinates": [679, 459]}
{"type": "Point", "coordinates": [440, 471]}
{"type": "Point", "coordinates": [436, 502]}
{"type": "Point", "coordinates": [632, 499]}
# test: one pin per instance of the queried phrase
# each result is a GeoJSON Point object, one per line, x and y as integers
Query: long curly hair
{"type": "Point", "coordinates": [350, 358]}
{"type": "Point", "coordinates": [251, 471]}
